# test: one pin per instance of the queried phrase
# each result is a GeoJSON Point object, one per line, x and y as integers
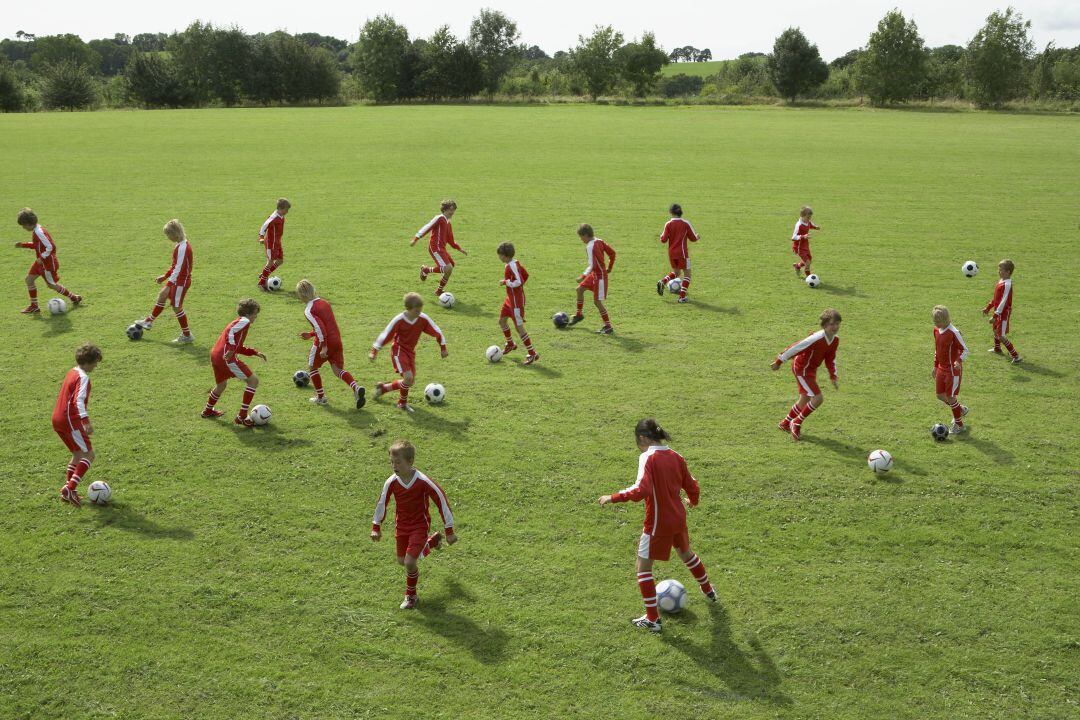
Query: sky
{"type": "Point", "coordinates": [728, 29]}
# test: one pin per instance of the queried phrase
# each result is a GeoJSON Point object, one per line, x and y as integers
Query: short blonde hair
{"type": "Point", "coordinates": [174, 231]}
{"type": "Point", "coordinates": [447, 204]}
{"type": "Point", "coordinates": [941, 314]}
{"type": "Point", "coordinates": [1007, 264]}
{"type": "Point", "coordinates": [806, 211]}
{"type": "Point", "coordinates": [404, 450]}
{"type": "Point", "coordinates": [830, 315]}
{"type": "Point", "coordinates": [305, 290]}
{"type": "Point", "coordinates": [283, 204]}
{"type": "Point", "coordinates": [413, 300]}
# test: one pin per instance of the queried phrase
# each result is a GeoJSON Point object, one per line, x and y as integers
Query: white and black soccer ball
{"type": "Point", "coordinates": [939, 432]}
{"type": "Point", "coordinates": [560, 319]}
{"type": "Point", "coordinates": [674, 286]}
{"type": "Point", "coordinates": [447, 300]}
{"type": "Point", "coordinates": [494, 354]}
{"type": "Point", "coordinates": [260, 415]}
{"type": "Point", "coordinates": [57, 306]}
{"type": "Point", "coordinates": [880, 461]}
{"type": "Point", "coordinates": [273, 284]}
{"type": "Point", "coordinates": [813, 280]}
{"type": "Point", "coordinates": [970, 268]}
{"type": "Point", "coordinates": [301, 378]}
{"type": "Point", "coordinates": [135, 331]}
{"type": "Point", "coordinates": [670, 596]}
{"type": "Point", "coordinates": [99, 492]}
{"type": "Point", "coordinates": [435, 393]}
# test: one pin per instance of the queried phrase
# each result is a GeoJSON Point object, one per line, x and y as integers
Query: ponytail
{"type": "Point", "coordinates": [649, 428]}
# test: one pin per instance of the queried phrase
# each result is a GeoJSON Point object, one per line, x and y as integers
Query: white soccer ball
{"type": "Point", "coordinates": [670, 596]}
{"type": "Point", "coordinates": [674, 286]}
{"type": "Point", "coordinates": [260, 414]}
{"type": "Point", "coordinates": [494, 354]}
{"type": "Point", "coordinates": [446, 300]}
{"type": "Point", "coordinates": [273, 283]}
{"type": "Point", "coordinates": [435, 393]}
{"type": "Point", "coordinates": [57, 306]}
{"type": "Point", "coordinates": [970, 268]}
{"type": "Point", "coordinates": [813, 280]}
{"type": "Point", "coordinates": [880, 461]}
{"type": "Point", "coordinates": [99, 492]}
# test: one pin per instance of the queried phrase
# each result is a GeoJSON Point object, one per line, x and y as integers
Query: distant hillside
{"type": "Point", "coordinates": [698, 69]}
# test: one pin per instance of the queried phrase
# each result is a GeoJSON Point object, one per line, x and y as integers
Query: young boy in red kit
{"type": "Point", "coordinates": [46, 265]}
{"type": "Point", "coordinates": [227, 365]}
{"type": "Point", "coordinates": [442, 235]}
{"type": "Point", "coordinates": [177, 280]}
{"type": "Point", "coordinates": [809, 353]}
{"type": "Point", "coordinates": [404, 330]}
{"type": "Point", "coordinates": [514, 278]}
{"type": "Point", "coordinates": [71, 420]}
{"type": "Point", "coordinates": [1001, 305]}
{"type": "Point", "coordinates": [594, 277]}
{"type": "Point", "coordinates": [270, 234]}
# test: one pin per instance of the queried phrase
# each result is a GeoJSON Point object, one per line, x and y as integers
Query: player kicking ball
{"type": "Point", "coordinates": [405, 330]}
{"type": "Point", "coordinates": [326, 344]}
{"type": "Point", "coordinates": [71, 420]}
{"type": "Point", "coordinates": [595, 277]}
{"type": "Point", "coordinates": [949, 355]}
{"type": "Point", "coordinates": [809, 353]}
{"type": "Point", "coordinates": [177, 280]}
{"type": "Point", "coordinates": [227, 365]}
{"type": "Point", "coordinates": [514, 278]}
{"type": "Point", "coordinates": [442, 235]}
{"type": "Point", "coordinates": [46, 265]}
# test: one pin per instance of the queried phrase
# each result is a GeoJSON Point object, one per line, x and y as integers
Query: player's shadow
{"type": "Point", "coordinates": [748, 675]}
{"type": "Point", "coordinates": [840, 448]}
{"type": "Point", "coordinates": [56, 324]}
{"type": "Point", "coordinates": [629, 344]}
{"type": "Point", "coordinates": [733, 310]}
{"type": "Point", "coordinates": [119, 515]}
{"type": "Point", "coordinates": [437, 421]}
{"type": "Point", "coordinates": [198, 353]}
{"type": "Point", "coordinates": [849, 291]}
{"type": "Point", "coordinates": [357, 418]}
{"type": "Point", "coordinates": [988, 448]}
{"type": "Point", "coordinates": [470, 310]}
{"type": "Point", "coordinates": [1037, 369]}
{"type": "Point", "coordinates": [489, 645]}
{"type": "Point", "coordinates": [537, 367]}
{"type": "Point", "coordinates": [267, 437]}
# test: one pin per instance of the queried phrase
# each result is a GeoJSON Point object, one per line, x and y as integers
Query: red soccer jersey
{"type": "Point", "coordinates": [595, 250]}
{"type": "Point", "coordinates": [810, 352]}
{"type": "Point", "coordinates": [231, 341]}
{"type": "Point", "coordinates": [323, 325]}
{"type": "Point", "coordinates": [70, 412]}
{"type": "Point", "coordinates": [44, 248]}
{"type": "Point", "coordinates": [662, 474]}
{"type": "Point", "coordinates": [678, 233]}
{"type": "Point", "coordinates": [272, 230]}
{"type": "Point", "coordinates": [949, 347]}
{"type": "Point", "coordinates": [1003, 297]}
{"type": "Point", "coordinates": [411, 503]}
{"type": "Point", "coordinates": [516, 276]}
{"type": "Point", "coordinates": [405, 333]}
{"type": "Point", "coordinates": [442, 234]}
{"type": "Point", "coordinates": [179, 273]}
{"type": "Point", "coordinates": [802, 229]}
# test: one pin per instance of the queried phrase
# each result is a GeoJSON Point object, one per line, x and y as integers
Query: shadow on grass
{"type": "Point", "coordinates": [987, 447]}
{"type": "Point", "coordinates": [357, 418]}
{"type": "Point", "coordinates": [629, 344]}
{"type": "Point", "coordinates": [469, 309]}
{"type": "Point", "coordinates": [748, 676]}
{"type": "Point", "coordinates": [488, 645]}
{"type": "Point", "coordinates": [733, 310]}
{"type": "Point", "coordinates": [199, 353]}
{"type": "Point", "coordinates": [1036, 369]}
{"type": "Point", "coordinates": [432, 421]}
{"type": "Point", "coordinates": [266, 437]}
{"type": "Point", "coordinates": [849, 291]}
{"type": "Point", "coordinates": [55, 324]}
{"type": "Point", "coordinates": [840, 448]}
{"type": "Point", "coordinates": [537, 367]}
{"type": "Point", "coordinates": [119, 515]}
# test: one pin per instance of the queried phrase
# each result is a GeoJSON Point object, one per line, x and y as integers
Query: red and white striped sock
{"type": "Point", "coordinates": [404, 390]}
{"type": "Point", "coordinates": [507, 335]}
{"type": "Point", "coordinates": [997, 344]}
{"type": "Point", "coordinates": [64, 291]}
{"type": "Point", "coordinates": [1009, 346]}
{"type": "Point", "coordinates": [265, 274]}
{"type": "Point", "coordinates": [803, 413]}
{"type": "Point", "coordinates": [430, 270]}
{"type": "Point", "coordinates": [392, 386]}
{"type": "Point", "coordinates": [181, 317]}
{"type": "Point", "coordinates": [316, 380]}
{"type": "Point", "coordinates": [669, 277]}
{"type": "Point", "coordinates": [580, 305]}
{"type": "Point", "coordinates": [527, 342]}
{"type": "Point", "coordinates": [685, 287]}
{"type": "Point", "coordinates": [347, 378]}
{"type": "Point", "coordinates": [70, 470]}
{"type": "Point", "coordinates": [211, 401]}
{"type": "Point", "coordinates": [604, 317]}
{"type": "Point", "coordinates": [648, 593]}
{"type": "Point", "coordinates": [249, 395]}
{"type": "Point", "coordinates": [81, 468]}
{"type": "Point", "coordinates": [954, 405]}
{"type": "Point", "coordinates": [411, 579]}
{"type": "Point", "coordinates": [33, 295]}
{"type": "Point", "coordinates": [154, 312]}
{"type": "Point", "coordinates": [442, 284]}
{"type": "Point", "coordinates": [697, 569]}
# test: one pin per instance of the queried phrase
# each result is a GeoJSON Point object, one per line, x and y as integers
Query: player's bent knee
{"type": "Point", "coordinates": [253, 381]}
{"type": "Point", "coordinates": [400, 560]}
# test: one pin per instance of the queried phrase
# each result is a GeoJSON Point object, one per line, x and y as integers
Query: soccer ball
{"type": "Point", "coordinates": [134, 331]}
{"type": "Point", "coordinates": [674, 286]}
{"type": "Point", "coordinates": [670, 596]}
{"type": "Point", "coordinates": [435, 393]}
{"type": "Point", "coordinates": [880, 461]}
{"type": "Point", "coordinates": [447, 300]}
{"type": "Point", "coordinates": [99, 492]}
{"type": "Point", "coordinates": [939, 432]}
{"type": "Point", "coordinates": [300, 377]}
{"type": "Point", "coordinates": [273, 283]}
{"type": "Point", "coordinates": [970, 268]}
{"type": "Point", "coordinates": [260, 415]}
{"type": "Point", "coordinates": [813, 280]}
{"type": "Point", "coordinates": [494, 354]}
{"type": "Point", "coordinates": [560, 319]}
{"type": "Point", "coordinates": [57, 306]}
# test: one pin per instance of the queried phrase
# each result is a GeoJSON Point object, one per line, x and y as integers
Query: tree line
{"type": "Point", "coordinates": [207, 65]}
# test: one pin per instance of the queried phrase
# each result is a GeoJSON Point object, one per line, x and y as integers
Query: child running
{"type": "Point", "coordinates": [1001, 304]}
{"type": "Point", "coordinates": [270, 236]}
{"type": "Point", "coordinates": [45, 264]}
{"type": "Point", "coordinates": [71, 420]}
{"type": "Point", "coordinates": [662, 477]}
{"type": "Point", "coordinates": [595, 277]}
{"type": "Point", "coordinates": [177, 280]}
{"type": "Point", "coordinates": [405, 330]}
{"type": "Point", "coordinates": [226, 365]}
{"type": "Point", "coordinates": [442, 234]}
{"type": "Point", "coordinates": [949, 355]}
{"type": "Point", "coordinates": [411, 490]}
{"type": "Point", "coordinates": [326, 345]}
{"type": "Point", "coordinates": [800, 240]}
{"type": "Point", "coordinates": [514, 278]}
{"type": "Point", "coordinates": [809, 353]}
{"type": "Point", "coordinates": [677, 235]}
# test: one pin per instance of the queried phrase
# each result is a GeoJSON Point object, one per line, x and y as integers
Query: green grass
{"type": "Point", "coordinates": [233, 575]}
{"type": "Point", "coordinates": [694, 69]}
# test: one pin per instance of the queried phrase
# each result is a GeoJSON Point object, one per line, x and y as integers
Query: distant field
{"type": "Point", "coordinates": [694, 69]}
{"type": "Point", "coordinates": [233, 576]}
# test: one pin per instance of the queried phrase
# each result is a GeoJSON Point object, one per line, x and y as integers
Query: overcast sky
{"type": "Point", "coordinates": [728, 29]}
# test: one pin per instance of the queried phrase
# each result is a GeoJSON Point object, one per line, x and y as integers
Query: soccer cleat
{"type": "Point", "coordinates": [796, 266]}
{"type": "Point", "coordinates": [435, 541]}
{"type": "Point", "coordinates": [145, 324]}
{"type": "Point", "coordinates": [785, 425]}
{"type": "Point", "coordinates": [184, 340]}
{"type": "Point", "coordinates": [711, 595]}
{"type": "Point", "coordinates": [645, 622]}
{"type": "Point", "coordinates": [995, 350]}
{"type": "Point", "coordinates": [532, 357]}
{"type": "Point", "coordinates": [409, 602]}
{"type": "Point", "coordinates": [957, 428]}
{"type": "Point", "coordinates": [1016, 360]}
{"type": "Point", "coordinates": [510, 346]}
{"type": "Point", "coordinates": [606, 330]}
{"type": "Point", "coordinates": [660, 288]}
{"type": "Point", "coordinates": [70, 494]}
{"type": "Point", "coordinates": [964, 410]}
{"type": "Point", "coordinates": [245, 421]}
{"type": "Point", "coordinates": [682, 299]}
{"type": "Point", "coordinates": [404, 406]}
{"type": "Point", "coordinates": [31, 309]}
{"type": "Point", "coordinates": [319, 400]}
{"type": "Point", "coordinates": [576, 319]}
{"type": "Point", "coordinates": [76, 299]}
{"type": "Point", "coordinates": [796, 432]}
{"type": "Point", "coordinates": [361, 397]}
{"type": "Point", "coordinates": [211, 413]}
{"type": "Point", "coordinates": [379, 390]}
{"type": "Point", "coordinates": [423, 273]}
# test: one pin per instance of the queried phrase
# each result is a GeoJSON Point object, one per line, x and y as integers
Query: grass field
{"type": "Point", "coordinates": [695, 69]}
{"type": "Point", "coordinates": [233, 577]}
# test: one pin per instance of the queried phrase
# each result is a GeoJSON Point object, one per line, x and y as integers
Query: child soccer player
{"type": "Point", "coordinates": [326, 346]}
{"type": "Point", "coordinates": [800, 240]}
{"type": "Point", "coordinates": [809, 353]}
{"type": "Point", "coordinates": [442, 234]}
{"type": "Point", "coordinates": [177, 280]}
{"type": "Point", "coordinates": [270, 235]}
{"type": "Point", "coordinates": [514, 278]}
{"type": "Point", "coordinates": [46, 263]}
{"type": "Point", "coordinates": [71, 421]}
{"type": "Point", "coordinates": [678, 233]}
{"type": "Point", "coordinates": [595, 276]}
{"type": "Point", "coordinates": [411, 490]}
{"type": "Point", "coordinates": [1001, 304]}
{"type": "Point", "coordinates": [662, 477]}
{"type": "Point", "coordinates": [949, 355]}
{"type": "Point", "coordinates": [226, 365]}
{"type": "Point", "coordinates": [405, 331]}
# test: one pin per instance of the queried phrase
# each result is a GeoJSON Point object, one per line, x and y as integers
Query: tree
{"type": "Point", "coordinates": [640, 64]}
{"type": "Point", "coordinates": [12, 97]}
{"type": "Point", "coordinates": [594, 58]}
{"type": "Point", "coordinates": [493, 37]}
{"type": "Point", "coordinates": [681, 85]}
{"type": "Point", "coordinates": [795, 66]}
{"type": "Point", "coordinates": [68, 86]}
{"type": "Point", "coordinates": [229, 63]}
{"type": "Point", "coordinates": [945, 72]}
{"type": "Point", "coordinates": [379, 58]}
{"type": "Point", "coordinates": [55, 49]}
{"type": "Point", "coordinates": [893, 68]}
{"type": "Point", "coordinates": [996, 57]}
{"type": "Point", "coordinates": [534, 53]}
{"type": "Point", "coordinates": [152, 80]}
{"type": "Point", "coordinates": [113, 53]}
{"type": "Point", "coordinates": [192, 52]}
{"type": "Point", "coordinates": [436, 77]}
{"type": "Point", "coordinates": [703, 55]}
{"type": "Point", "coordinates": [149, 42]}
{"type": "Point", "coordinates": [847, 59]}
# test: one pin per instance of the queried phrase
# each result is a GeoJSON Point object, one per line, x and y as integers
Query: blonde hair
{"type": "Point", "coordinates": [413, 300]}
{"type": "Point", "coordinates": [447, 204]}
{"type": "Point", "coordinates": [305, 290]}
{"type": "Point", "coordinates": [283, 204]}
{"type": "Point", "coordinates": [174, 231]}
{"type": "Point", "coordinates": [1007, 264]}
{"type": "Point", "coordinates": [806, 211]}
{"type": "Point", "coordinates": [941, 314]}
{"type": "Point", "coordinates": [404, 450]}
{"type": "Point", "coordinates": [830, 315]}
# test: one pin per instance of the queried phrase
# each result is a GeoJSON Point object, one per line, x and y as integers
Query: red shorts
{"type": "Point", "coordinates": [50, 271]}
{"type": "Point", "coordinates": [802, 249]}
{"type": "Point", "coordinates": [679, 263]}
{"type": "Point", "coordinates": [597, 284]}
{"type": "Point", "coordinates": [177, 293]}
{"type": "Point", "coordinates": [946, 381]}
{"type": "Point", "coordinates": [658, 547]}
{"type": "Point", "coordinates": [274, 254]}
{"type": "Point", "coordinates": [227, 370]}
{"type": "Point", "coordinates": [403, 362]}
{"type": "Point", "coordinates": [411, 542]}
{"type": "Point", "coordinates": [807, 383]}
{"type": "Point", "coordinates": [1001, 326]}
{"type": "Point", "coordinates": [517, 314]}
{"type": "Point", "coordinates": [75, 440]}
{"type": "Point", "coordinates": [442, 258]}
{"type": "Point", "coordinates": [334, 355]}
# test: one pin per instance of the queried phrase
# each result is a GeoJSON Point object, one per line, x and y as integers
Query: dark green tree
{"type": "Point", "coordinates": [493, 37]}
{"type": "Point", "coordinates": [53, 49]}
{"type": "Point", "coordinates": [640, 64]}
{"type": "Point", "coordinates": [68, 86]}
{"type": "Point", "coordinates": [795, 66]}
{"type": "Point", "coordinates": [996, 59]}
{"type": "Point", "coordinates": [594, 59]}
{"type": "Point", "coordinates": [379, 58]}
{"type": "Point", "coordinates": [893, 68]}
{"type": "Point", "coordinates": [152, 81]}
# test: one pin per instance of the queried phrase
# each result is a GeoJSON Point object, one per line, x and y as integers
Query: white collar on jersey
{"type": "Point", "coordinates": [412, 479]}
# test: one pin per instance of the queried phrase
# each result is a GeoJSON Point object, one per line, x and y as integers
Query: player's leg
{"type": "Point", "coordinates": [245, 403]}
{"type": "Point", "coordinates": [793, 413]}
{"type": "Point", "coordinates": [697, 569]}
{"type": "Point", "coordinates": [807, 259]}
{"type": "Point", "coordinates": [346, 377]}
{"type": "Point", "coordinates": [211, 400]}
{"type": "Point", "coordinates": [31, 288]}
{"type": "Point", "coordinates": [808, 390]}
{"type": "Point", "coordinates": [579, 316]}
{"type": "Point", "coordinates": [159, 305]}
{"type": "Point", "coordinates": [504, 325]}
{"type": "Point", "coordinates": [403, 386]}
{"type": "Point", "coordinates": [647, 586]}
{"type": "Point", "coordinates": [533, 356]}
{"type": "Point", "coordinates": [53, 281]}
{"type": "Point", "coordinates": [598, 297]}
{"type": "Point", "coordinates": [267, 268]}
{"type": "Point", "coordinates": [661, 284]}
{"type": "Point", "coordinates": [177, 301]}
{"type": "Point", "coordinates": [1003, 333]}
{"type": "Point", "coordinates": [314, 363]}
{"type": "Point", "coordinates": [685, 282]}
{"type": "Point", "coordinates": [447, 271]}
{"type": "Point", "coordinates": [412, 578]}
{"type": "Point", "coordinates": [426, 270]}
